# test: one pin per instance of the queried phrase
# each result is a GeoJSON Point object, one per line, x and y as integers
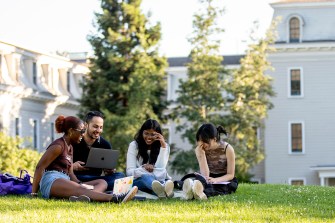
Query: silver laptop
{"type": "Point", "coordinates": [102, 158]}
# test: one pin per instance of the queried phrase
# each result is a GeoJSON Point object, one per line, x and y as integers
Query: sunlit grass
{"type": "Point", "coordinates": [251, 203]}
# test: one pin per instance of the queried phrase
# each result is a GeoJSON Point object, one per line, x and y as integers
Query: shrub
{"type": "Point", "coordinates": [13, 158]}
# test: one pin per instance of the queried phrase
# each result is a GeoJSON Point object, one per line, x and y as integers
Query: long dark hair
{"type": "Point", "coordinates": [143, 147]}
{"type": "Point", "coordinates": [208, 131]}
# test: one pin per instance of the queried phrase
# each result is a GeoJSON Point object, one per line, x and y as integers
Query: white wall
{"type": "Point", "coordinates": [315, 109]}
{"type": "Point", "coordinates": [41, 101]}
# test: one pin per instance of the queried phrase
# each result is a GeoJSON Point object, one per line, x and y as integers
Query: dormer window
{"type": "Point", "coordinates": [294, 30]}
{"type": "Point", "coordinates": [68, 84]}
{"type": "Point", "coordinates": [34, 73]}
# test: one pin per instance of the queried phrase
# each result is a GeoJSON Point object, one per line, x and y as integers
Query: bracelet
{"type": "Point", "coordinates": [33, 194]}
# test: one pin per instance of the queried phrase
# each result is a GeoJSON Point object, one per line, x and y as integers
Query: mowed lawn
{"type": "Point", "coordinates": [251, 203]}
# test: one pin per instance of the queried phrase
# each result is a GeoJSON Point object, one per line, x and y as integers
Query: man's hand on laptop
{"type": "Point", "coordinates": [77, 166]}
{"type": "Point", "coordinates": [109, 171]}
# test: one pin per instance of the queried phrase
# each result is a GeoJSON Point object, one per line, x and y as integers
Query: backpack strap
{"type": "Point", "coordinates": [190, 175]}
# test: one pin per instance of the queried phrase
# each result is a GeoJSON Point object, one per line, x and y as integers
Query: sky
{"type": "Point", "coordinates": [63, 25]}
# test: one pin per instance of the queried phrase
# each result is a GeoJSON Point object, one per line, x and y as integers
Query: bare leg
{"type": "Point", "coordinates": [99, 185]}
{"type": "Point", "coordinates": [63, 188]}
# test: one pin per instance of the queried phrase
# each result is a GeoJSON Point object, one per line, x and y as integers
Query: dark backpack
{"type": "Point", "coordinates": [209, 189]}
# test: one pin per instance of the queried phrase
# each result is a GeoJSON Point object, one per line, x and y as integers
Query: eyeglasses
{"type": "Point", "coordinates": [82, 131]}
{"type": "Point", "coordinates": [149, 134]}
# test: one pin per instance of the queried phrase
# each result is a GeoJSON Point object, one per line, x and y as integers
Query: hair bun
{"type": "Point", "coordinates": [220, 129]}
{"type": "Point", "coordinates": [59, 124]}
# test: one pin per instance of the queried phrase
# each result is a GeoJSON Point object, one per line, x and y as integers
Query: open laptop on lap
{"type": "Point", "coordinates": [102, 158]}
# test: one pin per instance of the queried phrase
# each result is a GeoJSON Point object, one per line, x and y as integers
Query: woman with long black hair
{"type": "Point", "coordinates": [147, 158]}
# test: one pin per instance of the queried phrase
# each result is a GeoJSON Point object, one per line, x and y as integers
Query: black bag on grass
{"type": "Point", "coordinates": [209, 189]}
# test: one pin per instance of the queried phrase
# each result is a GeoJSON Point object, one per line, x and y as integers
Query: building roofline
{"type": "Point", "coordinates": [36, 51]}
{"type": "Point", "coordinates": [302, 3]}
{"type": "Point", "coordinates": [182, 61]}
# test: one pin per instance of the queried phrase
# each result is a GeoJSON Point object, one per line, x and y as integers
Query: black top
{"type": "Point", "coordinates": [80, 153]}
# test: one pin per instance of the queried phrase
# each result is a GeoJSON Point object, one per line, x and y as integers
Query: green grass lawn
{"type": "Point", "coordinates": [251, 203]}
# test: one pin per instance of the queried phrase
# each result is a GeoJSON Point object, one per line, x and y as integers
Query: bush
{"type": "Point", "coordinates": [13, 158]}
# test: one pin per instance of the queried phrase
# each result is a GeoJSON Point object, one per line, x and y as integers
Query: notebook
{"type": "Point", "coordinates": [102, 158]}
{"type": "Point", "coordinates": [123, 185]}
{"type": "Point", "coordinates": [204, 178]}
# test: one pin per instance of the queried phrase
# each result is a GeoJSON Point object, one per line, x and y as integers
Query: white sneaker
{"type": "Point", "coordinates": [168, 188]}
{"type": "Point", "coordinates": [198, 190]}
{"type": "Point", "coordinates": [187, 189]}
{"type": "Point", "coordinates": [158, 189]}
{"type": "Point", "coordinates": [82, 198]}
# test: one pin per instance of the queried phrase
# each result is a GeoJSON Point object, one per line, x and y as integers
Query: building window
{"type": "Point", "coordinates": [17, 127]}
{"type": "Point", "coordinates": [52, 131]}
{"type": "Point", "coordinates": [331, 181]}
{"type": "Point", "coordinates": [35, 133]}
{"type": "Point", "coordinates": [68, 85]}
{"type": "Point", "coordinates": [297, 182]}
{"type": "Point", "coordinates": [173, 86]}
{"type": "Point", "coordinates": [294, 30]}
{"type": "Point", "coordinates": [296, 137]}
{"type": "Point", "coordinates": [34, 73]}
{"type": "Point", "coordinates": [295, 82]}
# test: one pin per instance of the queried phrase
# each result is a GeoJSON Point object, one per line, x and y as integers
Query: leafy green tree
{"type": "Point", "coordinates": [251, 90]}
{"type": "Point", "coordinates": [126, 79]}
{"type": "Point", "coordinates": [200, 95]}
{"type": "Point", "coordinates": [13, 158]}
{"type": "Point", "coordinates": [238, 99]}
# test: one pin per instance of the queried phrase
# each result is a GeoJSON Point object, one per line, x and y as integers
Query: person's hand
{"type": "Point", "coordinates": [211, 180]}
{"type": "Point", "coordinates": [160, 138]}
{"type": "Point", "coordinates": [77, 166]}
{"type": "Point", "coordinates": [200, 149]}
{"type": "Point", "coordinates": [148, 167]}
{"type": "Point", "coordinates": [32, 195]}
{"type": "Point", "coordinates": [109, 171]}
{"type": "Point", "coordinates": [201, 146]}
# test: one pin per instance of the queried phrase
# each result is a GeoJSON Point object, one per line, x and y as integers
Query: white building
{"type": "Point", "coordinates": [35, 88]}
{"type": "Point", "coordinates": [299, 141]}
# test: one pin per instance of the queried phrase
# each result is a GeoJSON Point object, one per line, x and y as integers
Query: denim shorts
{"type": "Point", "coordinates": [48, 179]}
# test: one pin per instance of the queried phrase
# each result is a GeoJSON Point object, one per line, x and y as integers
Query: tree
{"type": "Point", "coordinates": [251, 90]}
{"type": "Point", "coordinates": [200, 95]}
{"type": "Point", "coordinates": [237, 99]}
{"type": "Point", "coordinates": [126, 79]}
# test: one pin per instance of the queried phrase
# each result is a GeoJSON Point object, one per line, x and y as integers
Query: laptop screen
{"type": "Point", "coordinates": [102, 158]}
